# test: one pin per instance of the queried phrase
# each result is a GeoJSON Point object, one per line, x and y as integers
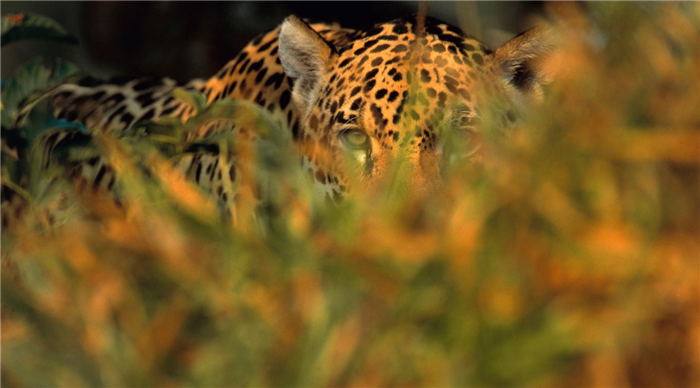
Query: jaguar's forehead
{"type": "Point", "coordinates": [402, 70]}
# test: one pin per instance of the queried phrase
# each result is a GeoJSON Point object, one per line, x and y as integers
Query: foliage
{"type": "Point", "coordinates": [31, 26]}
{"type": "Point", "coordinates": [569, 259]}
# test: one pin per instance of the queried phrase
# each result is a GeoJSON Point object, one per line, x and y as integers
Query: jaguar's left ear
{"type": "Point", "coordinates": [520, 61]}
{"type": "Point", "coordinates": [306, 57]}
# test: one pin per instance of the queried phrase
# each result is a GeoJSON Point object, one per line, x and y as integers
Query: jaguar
{"type": "Point", "coordinates": [367, 95]}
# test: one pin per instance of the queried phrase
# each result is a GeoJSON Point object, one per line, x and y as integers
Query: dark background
{"type": "Point", "coordinates": [186, 40]}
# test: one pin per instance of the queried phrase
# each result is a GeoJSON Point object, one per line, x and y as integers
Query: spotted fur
{"type": "Point", "coordinates": [392, 87]}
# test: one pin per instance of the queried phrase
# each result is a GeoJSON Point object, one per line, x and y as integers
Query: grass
{"type": "Point", "coordinates": [570, 259]}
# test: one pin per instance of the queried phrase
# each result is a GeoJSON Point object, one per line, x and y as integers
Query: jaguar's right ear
{"type": "Point", "coordinates": [520, 62]}
{"type": "Point", "coordinates": [306, 57]}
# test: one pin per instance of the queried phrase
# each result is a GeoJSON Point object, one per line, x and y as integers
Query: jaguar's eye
{"type": "Point", "coordinates": [463, 136]}
{"type": "Point", "coordinates": [461, 143]}
{"type": "Point", "coordinates": [355, 139]}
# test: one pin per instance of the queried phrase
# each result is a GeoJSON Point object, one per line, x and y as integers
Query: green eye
{"type": "Point", "coordinates": [463, 136]}
{"type": "Point", "coordinates": [355, 139]}
{"type": "Point", "coordinates": [461, 143]}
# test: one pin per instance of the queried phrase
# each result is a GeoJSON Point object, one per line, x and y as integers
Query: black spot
{"type": "Point", "coordinates": [345, 62]}
{"type": "Point", "coordinates": [276, 79]}
{"type": "Point", "coordinates": [374, 31]}
{"type": "Point", "coordinates": [380, 48]}
{"type": "Point", "coordinates": [442, 98]}
{"type": "Point", "coordinates": [370, 43]}
{"type": "Point", "coordinates": [169, 110]}
{"type": "Point", "coordinates": [259, 99]}
{"type": "Point", "coordinates": [434, 30]}
{"type": "Point", "coordinates": [360, 51]}
{"type": "Point", "coordinates": [243, 55]}
{"type": "Point", "coordinates": [393, 95]}
{"type": "Point", "coordinates": [260, 75]}
{"type": "Point", "coordinates": [438, 48]}
{"type": "Point", "coordinates": [100, 174]}
{"type": "Point", "coordinates": [377, 115]}
{"type": "Point", "coordinates": [355, 91]}
{"type": "Point", "coordinates": [392, 60]}
{"type": "Point", "coordinates": [369, 86]}
{"type": "Point", "coordinates": [127, 118]}
{"type": "Point", "coordinates": [148, 115]}
{"type": "Point", "coordinates": [117, 98]}
{"type": "Point", "coordinates": [380, 94]}
{"type": "Point", "coordinates": [256, 66]}
{"type": "Point", "coordinates": [357, 104]}
{"type": "Point", "coordinates": [397, 77]}
{"type": "Point", "coordinates": [424, 75]}
{"type": "Point", "coordinates": [451, 38]}
{"type": "Point", "coordinates": [478, 59]}
{"type": "Point", "coordinates": [371, 74]}
{"type": "Point", "coordinates": [284, 99]}
{"type": "Point", "coordinates": [400, 48]}
{"type": "Point", "coordinates": [399, 109]}
{"type": "Point", "coordinates": [98, 95]}
{"type": "Point", "coordinates": [266, 45]}
{"type": "Point", "coordinates": [431, 92]}
{"type": "Point", "coordinates": [362, 62]}
{"type": "Point", "coordinates": [467, 47]}
{"type": "Point", "coordinates": [388, 37]}
{"type": "Point", "coordinates": [115, 113]}
{"type": "Point", "coordinates": [230, 87]}
{"type": "Point", "coordinates": [145, 99]}
{"type": "Point", "coordinates": [400, 29]}
{"type": "Point", "coordinates": [377, 61]}
{"type": "Point", "coordinates": [243, 66]}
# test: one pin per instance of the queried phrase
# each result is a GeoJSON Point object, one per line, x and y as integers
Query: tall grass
{"type": "Point", "coordinates": [571, 258]}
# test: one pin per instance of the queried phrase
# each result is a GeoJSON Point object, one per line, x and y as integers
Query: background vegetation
{"type": "Point", "coordinates": [570, 259]}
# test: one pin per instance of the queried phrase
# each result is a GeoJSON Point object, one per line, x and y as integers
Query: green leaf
{"type": "Point", "coordinates": [31, 26]}
{"type": "Point", "coordinates": [193, 98]}
{"type": "Point", "coordinates": [30, 83]}
{"type": "Point", "coordinates": [243, 113]}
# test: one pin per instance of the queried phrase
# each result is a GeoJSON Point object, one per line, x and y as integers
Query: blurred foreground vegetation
{"type": "Point", "coordinates": [572, 258]}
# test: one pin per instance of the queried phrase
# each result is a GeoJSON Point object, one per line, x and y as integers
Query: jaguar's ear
{"type": "Point", "coordinates": [306, 57]}
{"type": "Point", "coordinates": [520, 62]}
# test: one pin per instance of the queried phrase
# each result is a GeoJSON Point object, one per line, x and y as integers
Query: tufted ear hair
{"type": "Point", "coordinates": [520, 62]}
{"type": "Point", "coordinates": [306, 57]}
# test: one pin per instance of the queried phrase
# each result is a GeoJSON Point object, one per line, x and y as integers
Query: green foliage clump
{"type": "Point", "coordinates": [563, 261]}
